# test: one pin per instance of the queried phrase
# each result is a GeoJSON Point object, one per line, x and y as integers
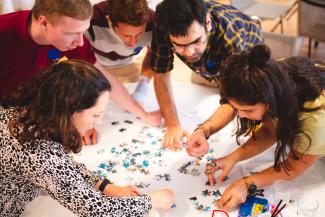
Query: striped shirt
{"type": "Point", "coordinates": [232, 31]}
{"type": "Point", "coordinates": [110, 50]}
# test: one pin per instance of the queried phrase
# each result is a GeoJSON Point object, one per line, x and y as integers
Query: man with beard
{"type": "Point", "coordinates": [202, 34]}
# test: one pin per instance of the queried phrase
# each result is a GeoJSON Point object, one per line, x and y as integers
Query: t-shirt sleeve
{"type": "Point", "coordinates": [52, 170]}
{"type": "Point", "coordinates": [84, 52]}
{"type": "Point", "coordinates": [313, 125]}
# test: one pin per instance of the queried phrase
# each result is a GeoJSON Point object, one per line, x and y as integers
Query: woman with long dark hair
{"type": "Point", "coordinates": [277, 102]}
{"type": "Point", "coordinates": [39, 125]}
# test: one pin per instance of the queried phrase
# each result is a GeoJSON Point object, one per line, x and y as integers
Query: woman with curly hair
{"type": "Point", "coordinates": [44, 121]}
{"type": "Point", "coordinates": [279, 103]}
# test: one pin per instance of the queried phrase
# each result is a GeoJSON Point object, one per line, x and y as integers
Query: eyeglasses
{"type": "Point", "coordinates": [181, 48]}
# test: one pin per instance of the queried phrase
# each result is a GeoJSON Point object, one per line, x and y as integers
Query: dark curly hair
{"type": "Point", "coordinates": [176, 16]}
{"type": "Point", "coordinates": [48, 101]}
{"type": "Point", "coordinates": [252, 77]}
{"type": "Point", "coordinates": [133, 12]}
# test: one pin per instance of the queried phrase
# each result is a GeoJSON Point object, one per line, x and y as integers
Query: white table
{"type": "Point", "coordinates": [195, 103]}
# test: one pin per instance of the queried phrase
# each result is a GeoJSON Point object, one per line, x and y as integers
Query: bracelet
{"type": "Point", "coordinates": [104, 183]}
{"type": "Point", "coordinates": [205, 130]}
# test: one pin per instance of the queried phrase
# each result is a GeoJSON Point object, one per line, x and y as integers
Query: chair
{"type": "Point", "coordinates": [264, 10]}
{"type": "Point", "coordinates": [311, 21]}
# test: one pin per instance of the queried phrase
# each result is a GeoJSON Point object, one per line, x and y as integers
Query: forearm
{"type": "Point", "coordinates": [76, 194]}
{"type": "Point", "coordinates": [121, 96]}
{"type": "Point", "coordinates": [146, 70]}
{"type": "Point", "coordinates": [165, 99]}
{"type": "Point", "coordinates": [101, 204]}
{"type": "Point", "coordinates": [220, 118]}
{"type": "Point", "coordinates": [297, 167]}
{"type": "Point", "coordinates": [264, 138]}
{"type": "Point", "coordinates": [92, 178]}
{"type": "Point", "coordinates": [269, 175]}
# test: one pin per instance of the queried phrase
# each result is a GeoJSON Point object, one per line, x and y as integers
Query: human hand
{"type": "Point", "coordinates": [162, 199]}
{"type": "Point", "coordinates": [172, 138]}
{"type": "Point", "coordinates": [225, 164]}
{"type": "Point", "coordinates": [153, 118]}
{"type": "Point", "coordinates": [119, 191]}
{"type": "Point", "coordinates": [90, 137]}
{"type": "Point", "coordinates": [234, 195]}
{"type": "Point", "coordinates": [197, 145]}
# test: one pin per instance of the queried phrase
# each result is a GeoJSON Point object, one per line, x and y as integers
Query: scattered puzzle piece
{"type": "Point", "coordinates": [100, 151]}
{"type": "Point", "coordinates": [115, 123]}
{"type": "Point", "coordinates": [131, 159]}
{"type": "Point", "coordinates": [122, 130]}
{"type": "Point", "coordinates": [165, 177]}
{"type": "Point", "coordinates": [141, 185]}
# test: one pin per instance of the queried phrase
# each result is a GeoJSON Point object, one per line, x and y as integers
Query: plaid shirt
{"type": "Point", "coordinates": [232, 31]}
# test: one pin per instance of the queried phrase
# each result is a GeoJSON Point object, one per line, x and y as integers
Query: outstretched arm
{"type": "Point", "coordinates": [165, 99]}
{"type": "Point", "coordinates": [236, 193]}
{"type": "Point", "coordinates": [264, 138]}
{"type": "Point", "coordinates": [121, 96]}
{"type": "Point", "coordinates": [60, 178]}
{"type": "Point", "coordinates": [198, 145]}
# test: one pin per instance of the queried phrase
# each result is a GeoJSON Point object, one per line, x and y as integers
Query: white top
{"type": "Point", "coordinates": [117, 53]}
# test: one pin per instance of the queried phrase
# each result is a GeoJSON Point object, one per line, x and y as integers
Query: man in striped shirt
{"type": "Point", "coordinates": [118, 32]}
{"type": "Point", "coordinates": [202, 34]}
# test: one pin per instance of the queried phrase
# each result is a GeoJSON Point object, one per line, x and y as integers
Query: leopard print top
{"type": "Point", "coordinates": [27, 169]}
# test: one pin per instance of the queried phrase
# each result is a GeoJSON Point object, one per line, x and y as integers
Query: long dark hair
{"type": "Point", "coordinates": [252, 77]}
{"type": "Point", "coordinates": [49, 100]}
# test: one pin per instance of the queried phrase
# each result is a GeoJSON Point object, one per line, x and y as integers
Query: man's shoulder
{"type": "Point", "coordinates": [224, 15]}
{"type": "Point", "coordinates": [151, 21]}
{"type": "Point", "coordinates": [217, 5]}
{"type": "Point", "coordinates": [98, 19]}
{"type": "Point", "coordinates": [14, 30]}
{"type": "Point", "coordinates": [15, 20]}
{"type": "Point", "coordinates": [221, 11]}
{"type": "Point", "coordinates": [15, 15]}
{"type": "Point", "coordinates": [99, 15]}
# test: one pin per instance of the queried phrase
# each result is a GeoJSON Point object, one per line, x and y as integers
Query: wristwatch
{"type": "Point", "coordinates": [104, 183]}
{"type": "Point", "coordinates": [250, 186]}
